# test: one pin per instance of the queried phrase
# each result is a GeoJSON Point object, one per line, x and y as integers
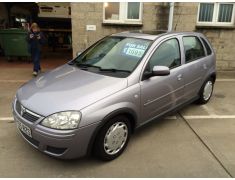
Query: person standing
{"type": "Point", "coordinates": [35, 39]}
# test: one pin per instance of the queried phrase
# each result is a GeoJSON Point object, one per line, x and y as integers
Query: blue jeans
{"type": "Point", "coordinates": [36, 60]}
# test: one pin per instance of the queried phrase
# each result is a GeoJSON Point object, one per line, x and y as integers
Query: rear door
{"type": "Point", "coordinates": [161, 93]}
{"type": "Point", "coordinates": [208, 61]}
{"type": "Point", "coordinates": [194, 65]}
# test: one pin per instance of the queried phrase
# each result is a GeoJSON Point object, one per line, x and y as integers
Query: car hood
{"type": "Point", "coordinates": [67, 88]}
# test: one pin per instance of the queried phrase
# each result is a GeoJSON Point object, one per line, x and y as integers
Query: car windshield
{"type": "Point", "coordinates": [113, 56]}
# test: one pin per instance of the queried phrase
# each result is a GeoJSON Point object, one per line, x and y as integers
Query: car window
{"type": "Point", "coordinates": [116, 54]}
{"type": "Point", "coordinates": [193, 48]}
{"type": "Point", "coordinates": [167, 54]}
{"type": "Point", "coordinates": [208, 49]}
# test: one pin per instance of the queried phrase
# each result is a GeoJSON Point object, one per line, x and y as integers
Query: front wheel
{"type": "Point", "coordinates": [113, 138]}
{"type": "Point", "coordinates": [206, 91]}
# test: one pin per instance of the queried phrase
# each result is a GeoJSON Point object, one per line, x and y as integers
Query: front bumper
{"type": "Point", "coordinates": [64, 144]}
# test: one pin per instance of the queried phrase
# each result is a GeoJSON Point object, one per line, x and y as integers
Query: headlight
{"type": "Point", "coordinates": [63, 120]}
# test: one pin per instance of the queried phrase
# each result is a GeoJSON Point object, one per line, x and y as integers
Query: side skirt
{"type": "Point", "coordinates": [167, 113]}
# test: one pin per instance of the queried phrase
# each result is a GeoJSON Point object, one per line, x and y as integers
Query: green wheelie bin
{"type": "Point", "coordinates": [14, 43]}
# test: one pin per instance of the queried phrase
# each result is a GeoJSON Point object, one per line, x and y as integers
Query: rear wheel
{"type": "Point", "coordinates": [206, 91]}
{"type": "Point", "coordinates": [113, 138]}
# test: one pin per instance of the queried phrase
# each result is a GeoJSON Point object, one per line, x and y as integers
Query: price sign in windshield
{"type": "Point", "coordinates": [136, 50]}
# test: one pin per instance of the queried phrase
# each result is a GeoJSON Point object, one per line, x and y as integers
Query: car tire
{"type": "Point", "coordinates": [206, 91]}
{"type": "Point", "coordinates": [113, 138]}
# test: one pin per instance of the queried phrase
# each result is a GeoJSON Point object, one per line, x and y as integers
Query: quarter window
{"type": "Point", "coordinates": [193, 48]}
{"type": "Point", "coordinates": [208, 49]}
{"type": "Point", "coordinates": [167, 54]}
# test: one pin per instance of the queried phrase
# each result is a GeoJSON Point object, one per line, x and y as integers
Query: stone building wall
{"type": "Point", "coordinates": [222, 39]}
{"type": "Point", "coordinates": [155, 16]}
{"type": "Point", "coordinates": [223, 42]}
{"type": "Point", "coordinates": [92, 14]}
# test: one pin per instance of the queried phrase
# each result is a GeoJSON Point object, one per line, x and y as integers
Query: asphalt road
{"type": "Point", "coordinates": [198, 141]}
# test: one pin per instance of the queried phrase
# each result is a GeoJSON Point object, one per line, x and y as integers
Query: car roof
{"type": "Point", "coordinates": [151, 34]}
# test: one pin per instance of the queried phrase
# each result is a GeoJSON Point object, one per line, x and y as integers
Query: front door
{"type": "Point", "coordinates": [161, 93]}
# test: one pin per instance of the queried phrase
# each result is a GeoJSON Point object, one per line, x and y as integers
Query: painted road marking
{"type": "Point", "coordinates": [12, 81]}
{"type": "Point", "coordinates": [168, 117]}
{"type": "Point", "coordinates": [226, 80]}
{"type": "Point", "coordinates": [210, 117]}
{"type": "Point", "coordinates": [6, 118]}
{"type": "Point", "coordinates": [11, 118]}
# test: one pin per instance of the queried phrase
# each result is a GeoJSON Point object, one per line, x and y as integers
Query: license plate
{"type": "Point", "coordinates": [23, 128]}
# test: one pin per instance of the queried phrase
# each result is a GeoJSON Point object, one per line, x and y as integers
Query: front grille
{"type": "Point", "coordinates": [30, 117]}
{"type": "Point", "coordinates": [25, 113]}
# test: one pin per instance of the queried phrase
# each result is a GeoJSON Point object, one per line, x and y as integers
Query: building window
{"type": "Point", "coordinates": [123, 12]}
{"type": "Point", "coordinates": [133, 10]}
{"type": "Point", "coordinates": [112, 11]}
{"type": "Point", "coordinates": [216, 14]}
{"type": "Point", "coordinates": [225, 13]}
{"type": "Point", "coordinates": [206, 12]}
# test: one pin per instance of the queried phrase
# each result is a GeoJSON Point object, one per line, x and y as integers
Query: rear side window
{"type": "Point", "coordinates": [208, 49]}
{"type": "Point", "coordinates": [193, 48]}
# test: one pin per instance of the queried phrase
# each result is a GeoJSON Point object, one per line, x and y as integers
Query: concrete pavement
{"type": "Point", "coordinates": [196, 142]}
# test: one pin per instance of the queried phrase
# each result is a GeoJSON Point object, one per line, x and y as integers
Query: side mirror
{"type": "Point", "coordinates": [78, 53]}
{"type": "Point", "coordinates": [160, 71]}
{"type": "Point", "coordinates": [157, 71]}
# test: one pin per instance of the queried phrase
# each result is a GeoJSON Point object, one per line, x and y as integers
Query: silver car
{"type": "Point", "coordinates": [95, 102]}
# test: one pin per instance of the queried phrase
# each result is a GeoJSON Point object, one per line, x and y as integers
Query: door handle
{"type": "Point", "coordinates": [179, 77]}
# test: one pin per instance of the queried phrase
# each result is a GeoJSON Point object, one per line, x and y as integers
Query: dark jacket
{"type": "Point", "coordinates": [34, 43]}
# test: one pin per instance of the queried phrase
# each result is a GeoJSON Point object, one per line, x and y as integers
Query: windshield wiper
{"type": "Point", "coordinates": [115, 70]}
{"type": "Point", "coordinates": [84, 65]}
